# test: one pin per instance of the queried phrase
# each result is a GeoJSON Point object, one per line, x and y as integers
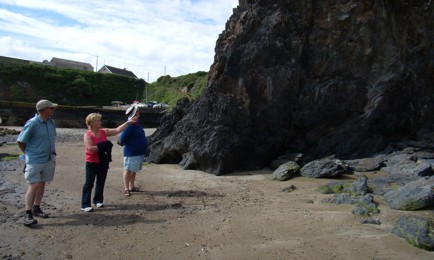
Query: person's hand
{"type": "Point", "coordinates": [132, 121]}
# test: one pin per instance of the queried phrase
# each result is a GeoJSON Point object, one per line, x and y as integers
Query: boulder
{"type": "Point", "coordinates": [286, 171]}
{"type": "Point", "coordinates": [414, 195]}
{"type": "Point", "coordinates": [365, 164]}
{"type": "Point", "coordinates": [417, 230]}
{"type": "Point", "coordinates": [329, 168]}
{"type": "Point", "coordinates": [410, 168]}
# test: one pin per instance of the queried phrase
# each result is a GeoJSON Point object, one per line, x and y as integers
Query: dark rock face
{"type": "Point", "coordinates": [342, 78]}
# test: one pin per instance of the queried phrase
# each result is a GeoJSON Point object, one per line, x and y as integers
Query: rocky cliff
{"type": "Point", "coordinates": [336, 78]}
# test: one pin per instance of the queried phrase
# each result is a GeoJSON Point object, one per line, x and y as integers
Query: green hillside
{"type": "Point", "coordinates": [169, 89]}
{"type": "Point", "coordinates": [30, 82]}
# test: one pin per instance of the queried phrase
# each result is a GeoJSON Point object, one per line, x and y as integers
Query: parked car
{"type": "Point", "coordinates": [151, 104]}
{"type": "Point", "coordinates": [160, 105]}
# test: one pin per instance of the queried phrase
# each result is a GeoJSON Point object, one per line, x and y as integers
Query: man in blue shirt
{"type": "Point", "coordinates": [36, 141]}
{"type": "Point", "coordinates": [134, 139]}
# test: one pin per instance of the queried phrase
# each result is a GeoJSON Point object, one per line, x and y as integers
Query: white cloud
{"type": "Point", "coordinates": [144, 36]}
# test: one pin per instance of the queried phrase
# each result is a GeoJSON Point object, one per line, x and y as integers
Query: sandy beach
{"type": "Point", "coordinates": [185, 214]}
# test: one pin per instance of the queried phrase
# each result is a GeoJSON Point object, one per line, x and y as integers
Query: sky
{"type": "Point", "coordinates": [151, 38]}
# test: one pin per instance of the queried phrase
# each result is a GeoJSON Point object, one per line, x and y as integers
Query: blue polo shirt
{"type": "Point", "coordinates": [39, 137]}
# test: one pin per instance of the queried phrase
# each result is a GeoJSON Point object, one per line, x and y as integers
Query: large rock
{"type": "Point", "coordinates": [321, 78]}
{"type": "Point", "coordinates": [286, 171]}
{"type": "Point", "coordinates": [414, 195]}
{"type": "Point", "coordinates": [365, 164]}
{"type": "Point", "coordinates": [323, 169]}
{"type": "Point", "coordinates": [417, 230]}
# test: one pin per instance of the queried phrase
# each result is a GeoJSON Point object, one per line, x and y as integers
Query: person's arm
{"type": "Point", "coordinates": [119, 129]}
{"type": "Point", "coordinates": [24, 136]}
{"type": "Point", "coordinates": [89, 144]}
{"type": "Point", "coordinates": [22, 146]}
{"type": "Point", "coordinates": [126, 135]}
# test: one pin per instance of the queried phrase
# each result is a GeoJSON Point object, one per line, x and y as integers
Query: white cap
{"type": "Point", "coordinates": [44, 104]}
{"type": "Point", "coordinates": [131, 111]}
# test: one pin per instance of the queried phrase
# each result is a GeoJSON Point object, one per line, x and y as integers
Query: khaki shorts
{"type": "Point", "coordinates": [41, 172]}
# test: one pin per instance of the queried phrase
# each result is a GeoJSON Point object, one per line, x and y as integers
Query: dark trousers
{"type": "Point", "coordinates": [94, 171]}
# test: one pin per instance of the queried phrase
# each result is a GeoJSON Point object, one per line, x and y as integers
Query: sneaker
{"type": "Point", "coordinates": [127, 193]}
{"type": "Point", "coordinates": [37, 212]}
{"type": "Point", "coordinates": [29, 220]}
{"type": "Point", "coordinates": [87, 209]}
{"type": "Point", "coordinates": [99, 205]}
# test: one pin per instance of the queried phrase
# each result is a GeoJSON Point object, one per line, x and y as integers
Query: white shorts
{"type": "Point", "coordinates": [133, 163]}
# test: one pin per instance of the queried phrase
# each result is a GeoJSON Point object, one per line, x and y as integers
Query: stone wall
{"type": "Point", "coordinates": [74, 117]}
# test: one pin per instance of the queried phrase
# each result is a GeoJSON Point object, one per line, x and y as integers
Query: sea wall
{"type": "Point", "coordinates": [74, 117]}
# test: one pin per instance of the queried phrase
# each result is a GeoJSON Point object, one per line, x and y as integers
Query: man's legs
{"type": "Point", "coordinates": [34, 194]}
{"type": "Point", "coordinates": [127, 178]}
{"type": "Point", "coordinates": [37, 211]}
{"type": "Point", "coordinates": [132, 165]}
{"type": "Point", "coordinates": [29, 202]}
{"type": "Point", "coordinates": [132, 179]}
{"type": "Point", "coordinates": [39, 193]}
{"type": "Point", "coordinates": [36, 175]}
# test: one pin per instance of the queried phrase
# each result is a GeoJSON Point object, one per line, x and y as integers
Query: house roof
{"type": "Point", "coordinates": [123, 72]}
{"type": "Point", "coordinates": [63, 63]}
{"type": "Point", "coordinates": [10, 59]}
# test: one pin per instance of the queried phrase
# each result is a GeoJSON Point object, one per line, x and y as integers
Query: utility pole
{"type": "Point", "coordinates": [96, 67]}
{"type": "Point", "coordinates": [146, 90]}
{"type": "Point", "coordinates": [164, 71]}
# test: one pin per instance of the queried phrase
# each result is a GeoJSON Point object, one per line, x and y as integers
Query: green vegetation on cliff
{"type": "Point", "coordinates": [30, 82]}
{"type": "Point", "coordinates": [169, 89]}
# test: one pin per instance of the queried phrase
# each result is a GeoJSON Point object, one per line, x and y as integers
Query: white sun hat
{"type": "Point", "coordinates": [131, 111]}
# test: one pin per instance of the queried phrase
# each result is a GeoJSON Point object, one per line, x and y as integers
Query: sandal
{"type": "Point", "coordinates": [135, 189]}
{"type": "Point", "coordinates": [127, 193]}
